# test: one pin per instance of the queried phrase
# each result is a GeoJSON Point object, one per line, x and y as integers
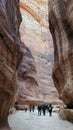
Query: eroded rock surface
{"type": "Point", "coordinates": [37, 37]}
{"type": "Point", "coordinates": [28, 86]}
{"type": "Point", "coordinates": [10, 56]}
{"type": "Point", "coordinates": [61, 27]}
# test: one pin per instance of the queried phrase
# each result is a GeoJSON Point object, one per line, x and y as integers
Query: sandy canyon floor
{"type": "Point", "coordinates": [22, 120]}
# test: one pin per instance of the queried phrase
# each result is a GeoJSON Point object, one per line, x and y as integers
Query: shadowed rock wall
{"type": "Point", "coordinates": [28, 86]}
{"type": "Point", "coordinates": [61, 27]}
{"type": "Point", "coordinates": [10, 56]}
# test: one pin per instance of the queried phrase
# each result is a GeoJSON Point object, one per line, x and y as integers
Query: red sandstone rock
{"type": "Point", "coordinates": [10, 56]}
{"type": "Point", "coordinates": [61, 27]}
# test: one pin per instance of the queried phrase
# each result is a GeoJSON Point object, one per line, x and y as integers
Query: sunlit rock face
{"type": "Point", "coordinates": [35, 34]}
{"type": "Point", "coordinates": [10, 56]}
{"type": "Point", "coordinates": [61, 27]}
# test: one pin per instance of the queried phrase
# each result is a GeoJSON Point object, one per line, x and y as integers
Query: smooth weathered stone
{"type": "Point", "coordinates": [27, 82]}
{"type": "Point", "coordinates": [66, 114]}
{"type": "Point", "coordinates": [61, 27]}
{"type": "Point", "coordinates": [10, 56]}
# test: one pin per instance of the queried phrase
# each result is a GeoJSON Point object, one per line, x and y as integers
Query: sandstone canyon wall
{"type": "Point", "coordinates": [10, 56]}
{"type": "Point", "coordinates": [35, 34]}
{"type": "Point", "coordinates": [27, 83]}
{"type": "Point", "coordinates": [61, 27]}
{"type": "Point", "coordinates": [13, 75]}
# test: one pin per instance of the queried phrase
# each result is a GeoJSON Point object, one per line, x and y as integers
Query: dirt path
{"type": "Point", "coordinates": [31, 121]}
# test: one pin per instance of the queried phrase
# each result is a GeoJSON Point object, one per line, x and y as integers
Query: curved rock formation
{"type": "Point", "coordinates": [28, 86]}
{"type": "Point", "coordinates": [31, 11]}
{"type": "Point", "coordinates": [61, 27]}
{"type": "Point", "coordinates": [38, 9]}
{"type": "Point", "coordinates": [10, 56]}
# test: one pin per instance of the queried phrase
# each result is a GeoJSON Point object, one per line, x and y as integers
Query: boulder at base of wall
{"type": "Point", "coordinates": [66, 114]}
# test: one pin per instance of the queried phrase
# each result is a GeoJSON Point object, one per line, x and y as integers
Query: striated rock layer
{"type": "Point", "coordinates": [10, 56]}
{"type": "Point", "coordinates": [61, 27]}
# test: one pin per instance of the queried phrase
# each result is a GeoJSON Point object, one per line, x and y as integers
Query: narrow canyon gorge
{"type": "Point", "coordinates": [35, 34]}
{"type": "Point", "coordinates": [36, 45]}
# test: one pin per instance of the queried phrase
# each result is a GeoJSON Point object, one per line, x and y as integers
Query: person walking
{"type": "Point", "coordinates": [33, 107]}
{"type": "Point", "coordinates": [44, 109]}
{"type": "Point", "coordinates": [30, 107]}
{"type": "Point", "coordinates": [50, 109]}
{"type": "Point", "coordinates": [39, 110]}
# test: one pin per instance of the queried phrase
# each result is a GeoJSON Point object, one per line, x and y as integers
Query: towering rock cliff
{"type": "Point", "coordinates": [35, 34]}
{"type": "Point", "coordinates": [61, 27]}
{"type": "Point", "coordinates": [10, 56]}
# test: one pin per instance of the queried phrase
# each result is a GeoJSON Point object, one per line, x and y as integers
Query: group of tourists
{"type": "Point", "coordinates": [43, 108]}
{"type": "Point", "coordinates": [31, 107]}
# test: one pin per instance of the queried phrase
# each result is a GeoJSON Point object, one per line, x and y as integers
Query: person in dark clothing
{"type": "Point", "coordinates": [33, 107]}
{"type": "Point", "coordinates": [44, 109]}
{"type": "Point", "coordinates": [30, 107]}
{"type": "Point", "coordinates": [39, 110]}
{"type": "Point", "coordinates": [50, 109]}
